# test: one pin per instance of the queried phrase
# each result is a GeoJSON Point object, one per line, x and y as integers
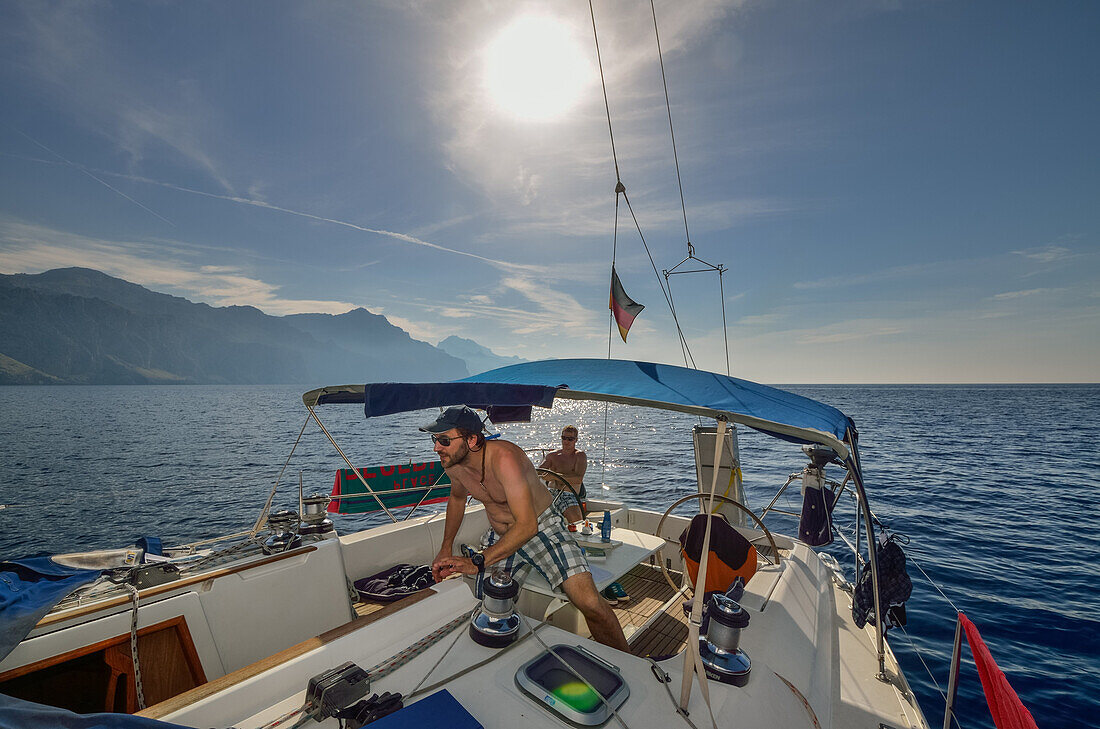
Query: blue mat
{"type": "Point", "coordinates": [438, 711]}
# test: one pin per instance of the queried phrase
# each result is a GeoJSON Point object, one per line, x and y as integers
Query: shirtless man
{"type": "Point", "coordinates": [572, 464]}
{"type": "Point", "coordinates": [500, 475]}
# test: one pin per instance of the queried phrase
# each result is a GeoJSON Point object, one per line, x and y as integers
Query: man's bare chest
{"type": "Point", "coordinates": [483, 492]}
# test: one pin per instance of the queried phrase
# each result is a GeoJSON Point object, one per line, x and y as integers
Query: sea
{"type": "Point", "coordinates": [992, 486]}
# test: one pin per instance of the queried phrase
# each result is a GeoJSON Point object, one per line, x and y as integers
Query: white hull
{"type": "Point", "coordinates": [262, 626]}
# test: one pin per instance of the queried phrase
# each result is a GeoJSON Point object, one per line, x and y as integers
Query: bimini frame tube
{"type": "Point", "coordinates": [350, 465]}
{"type": "Point", "coordinates": [852, 462]}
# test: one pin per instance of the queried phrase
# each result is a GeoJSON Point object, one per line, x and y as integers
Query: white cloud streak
{"type": "Point", "coordinates": [26, 248]}
{"type": "Point", "coordinates": [1046, 254]}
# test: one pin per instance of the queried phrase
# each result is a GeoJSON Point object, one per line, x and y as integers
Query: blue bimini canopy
{"type": "Point", "coordinates": [667, 387]}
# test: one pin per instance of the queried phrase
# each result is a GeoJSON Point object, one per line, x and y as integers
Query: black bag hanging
{"type": "Point", "coordinates": [895, 587]}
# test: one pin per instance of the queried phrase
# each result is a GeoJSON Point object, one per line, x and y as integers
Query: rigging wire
{"type": "Point", "coordinates": [668, 299]}
{"type": "Point", "coordinates": [719, 269]}
{"type": "Point", "coordinates": [620, 189]}
{"type": "Point", "coordinates": [672, 133]}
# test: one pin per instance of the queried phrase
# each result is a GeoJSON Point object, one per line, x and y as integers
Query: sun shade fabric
{"type": "Point", "coordinates": [397, 487]}
{"type": "Point", "coordinates": [767, 409]}
{"type": "Point", "coordinates": [398, 397]}
{"type": "Point", "coordinates": [731, 555]}
{"type": "Point", "coordinates": [680, 388]}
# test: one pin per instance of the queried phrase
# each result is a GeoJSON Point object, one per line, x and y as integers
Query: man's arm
{"type": "Point", "coordinates": [456, 510]}
{"type": "Point", "coordinates": [582, 464]}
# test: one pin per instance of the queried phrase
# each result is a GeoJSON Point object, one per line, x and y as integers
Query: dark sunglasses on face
{"type": "Point", "coordinates": [445, 440]}
{"type": "Point", "coordinates": [569, 437]}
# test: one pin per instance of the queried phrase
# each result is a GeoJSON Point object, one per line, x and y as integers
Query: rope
{"type": "Point", "coordinates": [391, 664]}
{"type": "Point", "coordinates": [270, 497]}
{"type": "Point", "coordinates": [134, 646]}
{"type": "Point", "coordinates": [671, 131]}
{"type": "Point", "coordinates": [436, 664]}
{"type": "Point", "coordinates": [603, 84]}
{"type": "Point", "coordinates": [668, 299]}
{"type": "Point", "coordinates": [663, 678]}
{"type": "Point", "coordinates": [933, 583]}
{"type": "Point", "coordinates": [921, 659]}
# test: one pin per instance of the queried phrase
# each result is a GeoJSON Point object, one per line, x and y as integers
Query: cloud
{"type": "Point", "coordinates": [760, 320]}
{"type": "Point", "coordinates": [842, 333]}
{"type": "Point", "coordinates": [26, 248]}
{"type": "Point", "coordinates": [1046, 254]}
{"type": "Point", "coordinates": [1019, 294]}
{"type": "Point", "coordinates": [894, 272]}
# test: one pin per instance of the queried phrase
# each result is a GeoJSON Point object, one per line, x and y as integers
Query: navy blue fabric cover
{"type": "Point", "coordinates": [398, 397]}
{"type": "Point", "coordinates": [19, 714]}
{"type": "Point", "coordinates": [28, 589]}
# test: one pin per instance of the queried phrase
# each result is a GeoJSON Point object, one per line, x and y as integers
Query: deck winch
{"type": "Point", "coordinates": [285, 525]}
{"type": "Point", "coordinates": [315, 515]}
{"type": "Point", "coordinates": [722, 659]}
{"type": "Point", "coordinates": [497, 623]}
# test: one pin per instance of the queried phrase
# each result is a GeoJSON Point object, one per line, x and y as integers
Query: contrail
{"type": "Point", "coordinates": [505, 265]}
{"type": "Point", "coordinates": [516, 267]}
{"type": "Point", "coordinates": [89, 174]}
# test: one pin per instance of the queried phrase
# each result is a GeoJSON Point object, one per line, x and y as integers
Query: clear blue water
{"type": "Point", "coordinates": [993, 484]}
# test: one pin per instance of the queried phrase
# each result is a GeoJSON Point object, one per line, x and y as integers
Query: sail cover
{"type": "Point", "coordinates": [768, 409]}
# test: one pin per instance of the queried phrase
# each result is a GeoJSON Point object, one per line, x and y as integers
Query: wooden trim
{"type": "Point", "coordinates": [149, 592]}
{"type": "Point", "coordinates": [198, 693]}
{"type": "Point", "coordinates": [179, 623]}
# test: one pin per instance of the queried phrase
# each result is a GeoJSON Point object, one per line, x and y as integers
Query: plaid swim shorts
{"type": "Point", "coordinates": [565, 498]}
{"type": "Point", "coordinates": [552, 551]}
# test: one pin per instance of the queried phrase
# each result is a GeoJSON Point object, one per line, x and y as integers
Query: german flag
{"type": "Point", "coordinates": [622, 306]}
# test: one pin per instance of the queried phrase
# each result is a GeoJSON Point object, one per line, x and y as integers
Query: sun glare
{"type": "Point", "coordinates": [536, 69]}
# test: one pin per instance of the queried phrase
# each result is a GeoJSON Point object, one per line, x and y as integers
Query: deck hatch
{"type": "Point", "coordinates": [558, 690]}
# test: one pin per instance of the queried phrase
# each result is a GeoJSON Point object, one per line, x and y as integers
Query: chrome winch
{"type": "Point", "coordinates": [722, 659]}
{"type": "Point", "coordinates": [285, 525]}
{"type": "Point", "coordinates": [315, 515]}
{"type": "Point", "coordinates": [496, 624]}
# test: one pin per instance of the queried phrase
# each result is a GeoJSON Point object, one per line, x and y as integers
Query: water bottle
{"type": "Point", "coordinates": [605, 527]}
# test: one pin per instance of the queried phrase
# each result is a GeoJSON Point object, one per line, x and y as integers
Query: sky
{"type": "Point", "coordinates": [899, 192]}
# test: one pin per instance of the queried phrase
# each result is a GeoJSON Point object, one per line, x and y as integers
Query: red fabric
{"type": "Point", "coordinates": [1005, 707]}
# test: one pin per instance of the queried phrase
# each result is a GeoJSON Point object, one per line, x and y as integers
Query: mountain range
{"type": "Point", "coordinates": [81, 326]}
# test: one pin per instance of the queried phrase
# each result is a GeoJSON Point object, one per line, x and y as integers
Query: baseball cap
{"type": "Point", "coordinates": [456, 417]}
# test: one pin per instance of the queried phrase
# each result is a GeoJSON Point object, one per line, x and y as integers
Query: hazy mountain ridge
{"type": "Point", "coordinates": [79, 326]}
{"type": "Point", "coordinates": [479, 358]}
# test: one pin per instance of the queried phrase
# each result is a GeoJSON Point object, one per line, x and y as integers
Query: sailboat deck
{"type": "Point", "coordinates": [650, 631]}
{"type": "Point", "coordinates": [649, 634]}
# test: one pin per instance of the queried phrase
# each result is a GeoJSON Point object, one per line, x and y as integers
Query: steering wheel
{"type": "Point", "coordinates": [547, 475]}
{"type": "Point", "coordinates": [717, 497]}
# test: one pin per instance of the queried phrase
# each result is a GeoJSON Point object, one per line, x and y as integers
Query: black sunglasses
{"type": "Point", "coordinates": [569, 437]}
{"type": "Point", "coordinates": [445, 440]}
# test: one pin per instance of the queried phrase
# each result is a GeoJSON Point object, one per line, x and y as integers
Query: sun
{"type": "Point", "coordinates": [536, 69]}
